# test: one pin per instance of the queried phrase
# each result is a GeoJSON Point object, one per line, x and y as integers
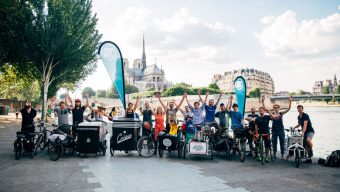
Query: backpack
{"type": "Point", "coordinates": [333, 160]}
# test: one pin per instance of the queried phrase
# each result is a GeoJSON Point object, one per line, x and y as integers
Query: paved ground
{"type": "Point", "coordinates": [128, 172]}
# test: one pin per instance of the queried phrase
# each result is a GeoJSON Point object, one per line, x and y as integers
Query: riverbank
{"type": "Point", "coordinates": [316, 104]}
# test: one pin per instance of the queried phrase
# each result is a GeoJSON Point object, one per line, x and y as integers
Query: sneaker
{"type": "Point", "coordinates": [267, 160]}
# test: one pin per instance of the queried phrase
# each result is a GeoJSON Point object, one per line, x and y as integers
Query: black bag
{"type": "Point", "coordinates": [333, 160]}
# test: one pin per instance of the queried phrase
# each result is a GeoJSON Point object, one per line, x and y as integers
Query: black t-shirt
{"type": "Point", "coordinates": [28, 119]}
{"type": "Point", "coordinates": [130, 114]}
{"type": "Point", "coordinates": [252, 124]}
{"type": "Point", "coordinates": [78, 114]}
{"type": "Point", "coordinates": [263, 124]}
{"type": "Point", "coordinates": [147, 115]}
{"type": "Point", "coordinates": [305, 117]}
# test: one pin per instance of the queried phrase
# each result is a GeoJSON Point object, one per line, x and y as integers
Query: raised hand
{"type": "Point", "coordinates": [199, 92]}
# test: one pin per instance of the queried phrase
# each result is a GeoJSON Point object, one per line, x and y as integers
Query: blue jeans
{"type": "Point", "coordinates": [281, 136]}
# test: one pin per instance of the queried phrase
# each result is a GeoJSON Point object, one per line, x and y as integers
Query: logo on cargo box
{"type": "Point", "coordinates": [121, 138]}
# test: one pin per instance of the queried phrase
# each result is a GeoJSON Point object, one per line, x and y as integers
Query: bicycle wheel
{"type": "Point", "coordinates": [297, 158]}
{"type": "Point", "coordinates": [211, 148]}
{"type": "Point", "coordinates": [160, 151]}
{"type": "Point", "coordinates": [261, 151]}
{"type": "Point", "coordinates": [18, 150]}
{"type": "Point", "coordinates": [179, 149]}
{"type": "Point", "coordinates": [43, 143]}
{"type": "Point", "coordinates": [242, 150]}
{"type": "Point", "coordinates": [184, 150]}
{"type": "Point", "coordinates": [56, 150]}
{"type": "Point", "coordinates": [104, 148]}
{"type": "Point", "coordinates": [112, 151]}
{"type": "Point", "coordinates": [37, 145]}
{"type": "Point", "coordinates": [227, 152]}
{"type": "Point", "coordinates": [145, 146]}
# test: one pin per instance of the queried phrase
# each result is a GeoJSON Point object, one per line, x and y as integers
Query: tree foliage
{"type": "Point", "coordinates": [255, 93]}
{"type": "Point", "coordinates": [88, 91]}
{"type": "Point", "coordinates": [129, 89]}
{"type": "Point", "coordinates": [101, 93]}
{"type": "Point", "coordinates": [325, 89]}
{"type": "Point", "coordinates": [213, 86]}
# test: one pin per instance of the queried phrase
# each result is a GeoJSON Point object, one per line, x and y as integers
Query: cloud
{"type": "Point", "coordinates": [339, 7]}
{"type": "Point", "coordinates": [286, 37]}
{"type": "Point", "coordinates": [178, 41]}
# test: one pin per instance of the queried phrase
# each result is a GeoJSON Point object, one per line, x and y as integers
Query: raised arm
{"type": "Point", "coordinates": [219, 98]}
{"type": "Point", "coordinates": [262, 102]}
{"type": "Point", "coordinates": [230, 101]}
{"type": "Point", "coordinates": [206, 98]}
{"type": "Point", "coordinates": [52, 102]}
{"type": "Point", "coordinates": [87, 101]}
{"type": "Point", "coordinates": [180, 103]}
{"type": "Point", "coordinates": [136, 104]}
{"type": "Point", "coordinates": [161, 102]}
{"type": "Point", "coordinates": [289, 105]}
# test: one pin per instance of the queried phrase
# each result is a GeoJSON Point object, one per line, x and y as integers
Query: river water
{"type": "Point", "coordinates": [326, 123]}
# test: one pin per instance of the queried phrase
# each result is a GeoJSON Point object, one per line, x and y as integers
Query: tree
{"type": "Point", "coordinates": [88, 91]}
{"type": "Point", "coordinates": [101, 93]}
{"type": "Point", "coordinates": [131, 89]}
{"type": "Point", "coordinates": [213, 86]}
{"type": "Point", "coordinates": [337, 90]}
{"type": "Point", "coordinates": [325, 90]}
{"type": "Point", "coordinates": [255, 93]}
{"type": "Point", "coordinates": [59, 44]}
{"type": "Point", "coordinates": [16, 86]}
{"type": "Point", "coordinates": [112, 93]}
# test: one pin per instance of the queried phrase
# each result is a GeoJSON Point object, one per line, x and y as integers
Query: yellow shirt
{"type": "Point", "coordinates": [173, 129]}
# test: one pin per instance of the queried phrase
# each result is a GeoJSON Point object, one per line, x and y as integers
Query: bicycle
{"type": "Point", "coordinates": [24, 142]}
{"type": "Point", "coordinates": [295, 146]}
{"type": "Point", "coordinates": [41, 141]}
{"type": "Point", "coordinates": [146, 144]}
{"type": "Point", "coordinates": [261, 149]}
{"type": "Point", "coordinates": [239, 144]}
{"type": "Point", "coordinates": [59, 141]}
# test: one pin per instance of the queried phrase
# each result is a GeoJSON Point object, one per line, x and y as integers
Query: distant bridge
{"type": "Point", "coordinates": [306, 97]}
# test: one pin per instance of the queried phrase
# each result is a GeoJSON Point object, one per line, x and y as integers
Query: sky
{"type": "Point", "coordinates": [296, 42]}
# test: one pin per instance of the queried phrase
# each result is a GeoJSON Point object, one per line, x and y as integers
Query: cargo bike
{"type": "Point", "coordinates": [126, 136]}
{"type": "Point", "coordinates": [198, 141]}
{"type": "Point", "coordinates": [171, 142]}
{"type": "Point", "coordinates": [295, 147]}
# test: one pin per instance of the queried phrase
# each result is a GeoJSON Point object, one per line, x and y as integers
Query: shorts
{"type": "Point", "coordinates": [309, 135]}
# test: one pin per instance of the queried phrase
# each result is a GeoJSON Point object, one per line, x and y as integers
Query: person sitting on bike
{"type": "Point", "coordinates": [130, 111]}
{"type": "Point", "coordinates": [78, 112]}
{"type": "Point", "coordinates": [223, 118]}
{"type": "Point", "coordinates": [277, 126]}
{"type": "Point", "coordinates": [237, 122]}
{"type": "Point", "coordinates": [210, 109]}
{"type": "Point", "coordinates": [62, 113]}
{"type": "Point", "coordinates": [262, 127]}
{"type": "Point", "coordinates": [197, 112]}
{"type": "Point", "coordinates": [307, 132]}
{"type": "Point", "coordinates": [251, 120]}
{"type": "Point", "coordinates": [170, 111]}
{"type": "Point", "coordinates": [28, 114]}
{"type": "Point", "coordinates": [147, 117]}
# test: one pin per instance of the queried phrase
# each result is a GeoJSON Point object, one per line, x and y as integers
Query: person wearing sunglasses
{"type": "Point", "coordinates": [277, 125]}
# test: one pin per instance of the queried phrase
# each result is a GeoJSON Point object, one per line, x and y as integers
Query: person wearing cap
{"type": "Point", "coordinates": [223, 117]}
{"type": "Point", "coordinates": [78, 112]}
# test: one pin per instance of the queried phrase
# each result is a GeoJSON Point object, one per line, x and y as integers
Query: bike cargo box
{"type": "Point", "coordinates": [125, 134]}
{"type": "Point", "coordinates": [123, 122]}
{"type": "Point", "coordinates": [88, 137]}
{"type": "Point", "coordinates": [294, 140]}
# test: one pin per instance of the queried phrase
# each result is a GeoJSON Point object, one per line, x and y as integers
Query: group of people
{"type": "Point", "coordinates": [205, 111]}
{"type": "Point", "coordinates": [202, 112]}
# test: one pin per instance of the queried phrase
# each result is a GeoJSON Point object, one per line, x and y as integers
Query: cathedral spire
{"type": "Point", "coordinates": [335, 80]}
{"type": "Point", "coordinates": [143, 56]}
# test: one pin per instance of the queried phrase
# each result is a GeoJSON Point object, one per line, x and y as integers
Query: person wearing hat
{"type": "Point", "coordinates": [78, 112]}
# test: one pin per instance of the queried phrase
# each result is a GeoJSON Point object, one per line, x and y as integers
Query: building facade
{"type": "Point", "coordinates": [145, 77]}
{"type": "Point", "coordinates": [254, 79]}
{"type": "Point", "coordinates": [331, 84]}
